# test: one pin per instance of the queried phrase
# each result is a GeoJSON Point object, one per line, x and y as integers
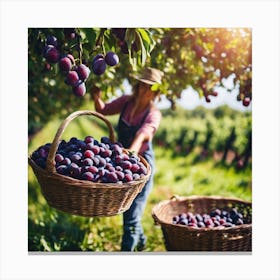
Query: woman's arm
{"type": "Point", "coordinates": [114, 107]}
{"type": "Point", "coordinates": [138, 141]}
{"type": "Point", "coordinates": [146, 131]}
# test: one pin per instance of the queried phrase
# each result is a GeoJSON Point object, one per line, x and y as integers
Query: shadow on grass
{"type": "Point", "coordinates": [48, 229]}
{"type": "Point", "coordinates": [54, 236]}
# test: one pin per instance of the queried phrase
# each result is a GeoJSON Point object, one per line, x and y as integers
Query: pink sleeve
{"type": "Point", "coordinates": [151, 123]}
{"type": "Point", "coordinates": [115, 106]}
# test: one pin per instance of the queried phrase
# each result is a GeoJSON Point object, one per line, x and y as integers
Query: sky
{"type": "Point", "coordinates": [190, 99]}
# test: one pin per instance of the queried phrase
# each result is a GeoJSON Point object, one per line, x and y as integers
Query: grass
{"type": "Point", "coordinates": [205, 177]}
{"type": "Point", "coordinates": [52, 230]}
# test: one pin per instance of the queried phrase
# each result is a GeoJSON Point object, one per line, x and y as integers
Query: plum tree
{"type": "Point", "coordinates": [200, 58]}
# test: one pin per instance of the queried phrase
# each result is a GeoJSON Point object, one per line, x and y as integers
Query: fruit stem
{"type": "Point", "coordinates": [80, 48]}
{"type": "Point", "coordinates": [100, 39]}
{"type": "Point", "coordinates": [100, 36]}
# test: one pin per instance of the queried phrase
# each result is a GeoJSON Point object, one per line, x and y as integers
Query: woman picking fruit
{"type": "Point", "coordinates": [139, 119]}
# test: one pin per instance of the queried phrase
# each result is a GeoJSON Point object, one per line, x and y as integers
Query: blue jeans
{"type": "Point", "coordinates": [133, 233]}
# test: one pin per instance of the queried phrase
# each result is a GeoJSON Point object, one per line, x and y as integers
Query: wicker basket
{"type": "Point", "coordinates": [183, 238]}
{"type": "Point", "coordinates": [80, 197]}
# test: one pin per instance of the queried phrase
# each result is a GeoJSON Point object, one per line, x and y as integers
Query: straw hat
{"type": "Point", "coordinates": [150, 76]}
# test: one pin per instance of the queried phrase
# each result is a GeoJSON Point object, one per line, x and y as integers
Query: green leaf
{"type": "Point", "coordinates": [129, 38]}
{"type": "Point", "coordinates": [144, 35]}
{"type": "Point", "coordinates": [110, 41]}
{"type": "Point", "coordinates": [143, 49]}
{"type": "Point", "coordinates": [155, 87]}
{"type": "Point", "coordinates": [83, 35]}
{"type": "Point", "coordinates": [133, 62]}
{"type": "Point", "coordinates": [147, 39]}
{"type": "Point", "coordinates": [90, 34]}
{"type": "Point", "coordinates": [200, 92]}
{"type": "Point", "coordinates": [45, 245]}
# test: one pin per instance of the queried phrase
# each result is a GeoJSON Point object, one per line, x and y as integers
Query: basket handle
{"type": "Point", "coordinates": [50, 164]}
{"type": "Point", "coordinates": [156, 221]}
{"type": "Point", "coordinates": [175, 197]}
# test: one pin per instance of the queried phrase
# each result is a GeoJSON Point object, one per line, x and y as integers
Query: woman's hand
{"type": "Point", "coordinates": [95, 92]}
{"type": "Point", "coordinates": [136, 144]}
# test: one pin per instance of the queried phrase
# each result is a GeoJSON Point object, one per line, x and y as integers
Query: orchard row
{"type": "Point", "coordinates": [220, 131]}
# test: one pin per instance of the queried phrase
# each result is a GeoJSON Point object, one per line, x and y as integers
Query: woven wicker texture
{"type": "Point", "coordinates": [183, 238]}
{"type": "Point", "coordinates": [80, 197]}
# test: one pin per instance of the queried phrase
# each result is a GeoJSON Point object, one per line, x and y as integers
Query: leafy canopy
{"type": "Point", "coordinates": [196, 57]}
